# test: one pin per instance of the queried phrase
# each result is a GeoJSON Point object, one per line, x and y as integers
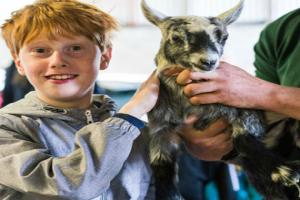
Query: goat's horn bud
{"type": "Point", "coordinates": [152, 15]}
{"type": "Point", "coordinates": [232, 14]}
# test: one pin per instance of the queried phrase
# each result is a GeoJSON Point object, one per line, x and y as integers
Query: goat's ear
{"type": "Point", "coordinates": [154, 16]}
{"type": "Point", "coordinates": [232, 14]}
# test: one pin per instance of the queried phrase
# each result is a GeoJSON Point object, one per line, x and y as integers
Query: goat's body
{"type": "Point", "coordinates": [175, 107]}
{"type": "Point", "coordinates": [196, 43]}
{"type": "Point", "coordinates": [258, 162]}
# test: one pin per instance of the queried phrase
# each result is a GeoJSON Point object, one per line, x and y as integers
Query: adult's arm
{"type": "Point", "coordinates": [233, 86]}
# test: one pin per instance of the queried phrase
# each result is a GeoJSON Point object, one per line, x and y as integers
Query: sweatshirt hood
{"type": "Point", "coordinates": [102, 107]}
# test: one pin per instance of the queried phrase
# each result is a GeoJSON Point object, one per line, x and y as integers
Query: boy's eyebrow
{"type": "Point", "coordinates": [45, 42]}
{"type": "Point", "coordinates": [35, 42]}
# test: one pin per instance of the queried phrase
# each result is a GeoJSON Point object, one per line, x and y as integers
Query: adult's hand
{"type": "Point", "coordinates": [227, 84]}
{"type": "Point", "coordinates": [210, 144]}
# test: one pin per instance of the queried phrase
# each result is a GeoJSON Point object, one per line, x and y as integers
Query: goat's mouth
{"type": "Point", "coordinates": [205, 68]}
{"type": "Point", "coordinates": [198, 66]}
{"type": "Point", "coordinates": [201, 67]}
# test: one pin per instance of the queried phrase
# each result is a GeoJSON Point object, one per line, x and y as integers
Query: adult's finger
{"type": "Point", "coordinates": [193, 89]}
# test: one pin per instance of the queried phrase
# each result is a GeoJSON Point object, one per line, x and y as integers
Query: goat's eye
{"type": "Point", "coordinates": [218, 34]}
{"type": "Point", "coordinates": [221, 35]}
{"type": "Point", "coordinates": [177, 39]}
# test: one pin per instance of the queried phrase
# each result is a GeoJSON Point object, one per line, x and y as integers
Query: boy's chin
{"type": "Point", "coordinates": [67, 99]}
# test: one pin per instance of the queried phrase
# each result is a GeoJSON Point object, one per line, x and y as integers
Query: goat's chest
{"type": "Point", "coordinates": [172, 94]}
{"type": "Point", "coordinates": [175, 106]}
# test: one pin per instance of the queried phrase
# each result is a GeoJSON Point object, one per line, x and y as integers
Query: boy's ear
{"type": "Point", "coordinates": [19, 66]}
{"type": "Point", "coordinates": [105, 58]}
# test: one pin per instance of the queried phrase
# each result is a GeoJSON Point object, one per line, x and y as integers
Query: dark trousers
{"type": "Point", "coordinates": [194, 174]}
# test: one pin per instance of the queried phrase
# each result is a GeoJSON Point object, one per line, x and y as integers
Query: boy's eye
{"type": "Point", "coordinates": [75, 48]}
{"type": "Point", "coordinates": [39, 50]}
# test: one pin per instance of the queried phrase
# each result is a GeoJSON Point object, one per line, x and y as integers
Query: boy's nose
{"type": "Point", "coordinates": [58, 59]}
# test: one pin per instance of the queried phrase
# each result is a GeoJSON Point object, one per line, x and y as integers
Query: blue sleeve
{"type": "Point", "coordinates": [133, 120]}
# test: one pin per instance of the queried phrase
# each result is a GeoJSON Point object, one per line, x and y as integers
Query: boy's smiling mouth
{"type": "Point", "coordinates": [61, 76]}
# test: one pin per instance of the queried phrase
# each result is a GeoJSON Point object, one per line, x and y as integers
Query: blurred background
{"type": "Point", "coordinates": [135, 45]}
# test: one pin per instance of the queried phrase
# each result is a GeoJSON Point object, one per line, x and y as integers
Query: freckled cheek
{"type": "Point", "coordinates": [91, 72]}
{"type": "Point", "coordinates": [35, 77]}
{"type": "Point", "coordinates": [34, 71]}
{"type": "Point", "coordinates": [95, 74]}
{"type": "Point", "coordinates": [96, 65]}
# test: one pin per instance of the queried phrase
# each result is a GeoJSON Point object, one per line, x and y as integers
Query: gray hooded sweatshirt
{"type": "Point", "coordinates": [52, 153]}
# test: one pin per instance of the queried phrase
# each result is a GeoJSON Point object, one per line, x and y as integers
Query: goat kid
{"type": "Point", "coordinates": [197, 43]}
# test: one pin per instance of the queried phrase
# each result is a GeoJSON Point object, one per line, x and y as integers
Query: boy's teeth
{"type": "Point", "coordinates": [61, 77]}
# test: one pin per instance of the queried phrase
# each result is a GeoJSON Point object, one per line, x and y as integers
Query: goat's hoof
{"type": "Point", "coordinates": [286, 176]}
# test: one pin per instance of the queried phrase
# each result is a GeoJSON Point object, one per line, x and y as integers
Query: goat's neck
{"type": "Point", "coordinates": [161, 62]}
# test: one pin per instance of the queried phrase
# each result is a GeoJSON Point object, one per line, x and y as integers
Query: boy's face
{"type": "Point", "coordinates": [63, 71]}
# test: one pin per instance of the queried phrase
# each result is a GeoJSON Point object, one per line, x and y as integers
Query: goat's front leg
{"type": "Point", "coordinates": [164, 149]}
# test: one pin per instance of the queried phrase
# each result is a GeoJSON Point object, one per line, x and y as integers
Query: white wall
{"type": "Point", "coordinates": [129, 12]}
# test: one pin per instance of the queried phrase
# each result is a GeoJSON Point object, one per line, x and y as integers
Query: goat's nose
{"type": "Point", "coordinates": [207, 64]}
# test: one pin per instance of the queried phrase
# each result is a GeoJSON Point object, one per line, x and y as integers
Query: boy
{"type": "Point", "coordinates": [59, 142]}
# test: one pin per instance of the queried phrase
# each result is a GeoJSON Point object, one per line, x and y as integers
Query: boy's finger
{"type": "Point", "coordinates": [184, 77]}
{"type": "Point", "coordinates": [172, 71]}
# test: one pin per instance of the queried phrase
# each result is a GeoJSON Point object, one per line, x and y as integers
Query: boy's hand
{"type": "Point", "coordinates": [210, 144]}
{"type": "Point", "coordinates": [144, 99]}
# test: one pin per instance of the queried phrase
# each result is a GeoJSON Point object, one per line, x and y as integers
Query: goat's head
{"type": "Point", "coordinates": [191, 41]}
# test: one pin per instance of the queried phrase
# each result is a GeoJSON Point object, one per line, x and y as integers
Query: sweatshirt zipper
{"type": "Point", "coordinates": [89, 117]}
